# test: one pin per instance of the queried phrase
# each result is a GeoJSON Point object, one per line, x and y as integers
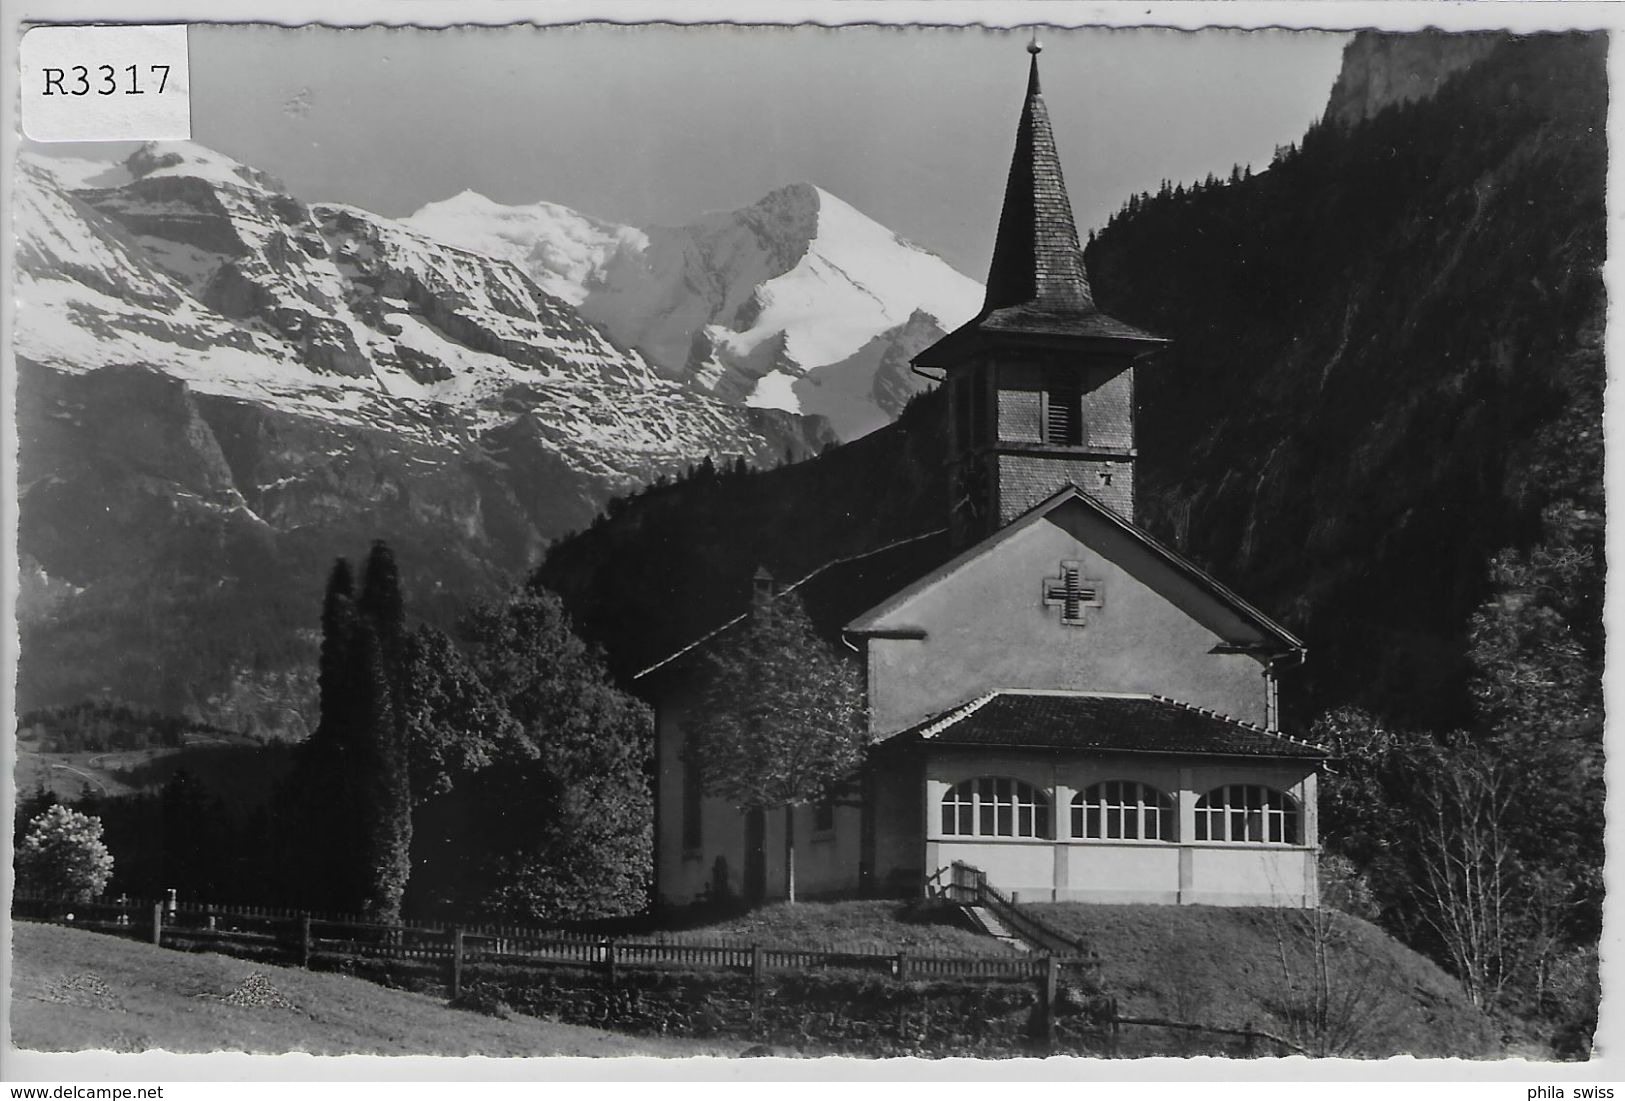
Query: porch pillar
{"type": "Point", "coordinates": [931, 827]}
{"type": "Point", "coordinates": [1061, 823]}
{"type": "Point", "coordinates": [1309, 809]}
{"type": "Point", "coordinates": [1185, 811]}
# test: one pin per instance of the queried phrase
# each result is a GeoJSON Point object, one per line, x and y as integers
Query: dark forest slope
{"type": "Point", "coordinates": [675, 561]}
{"type": "Point", "coordinates": [1387, 362]}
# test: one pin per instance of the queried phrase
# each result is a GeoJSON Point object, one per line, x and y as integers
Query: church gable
{"type": "Point", "coordinates": [1233, 621]}
{"type": "Point", "coordinates": [1067, 598]}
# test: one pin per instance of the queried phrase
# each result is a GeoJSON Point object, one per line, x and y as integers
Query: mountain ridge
{"type": "Point", "coordinates": [757, 305]}
{"type": "Point", "coordinates": [222, 387]}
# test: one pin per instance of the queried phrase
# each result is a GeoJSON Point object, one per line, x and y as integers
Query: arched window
{"type": "Point", "coordinates": [1247, 812]}
{"type": "Point", "coordinates": [1118, 810]}
{"type": "Point", "coordinates": [992, 806]}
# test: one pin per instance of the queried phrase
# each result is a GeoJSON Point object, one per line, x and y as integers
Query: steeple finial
{"type": "Point", "coordinates": [1035, 48]}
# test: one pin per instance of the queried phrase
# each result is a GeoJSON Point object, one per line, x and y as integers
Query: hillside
{"type": "Point", "coordinates": [1387, 363]}
{"type": "Point", "coordinates": [78, 991]}
{"type": "Point", "coordinates": [689, 547]}
{"type": "Point", "coordinates": [1330, 982]}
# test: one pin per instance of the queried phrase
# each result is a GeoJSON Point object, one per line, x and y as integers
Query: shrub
{"type": "Point", "coordinates": [63, 855]}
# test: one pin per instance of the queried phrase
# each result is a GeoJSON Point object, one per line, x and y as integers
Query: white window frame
{"type": "Point", "coordinates": [1123, 810]}
{"type": "Point", "coordinates": [1248, 814]}
{"type": "Point", "coordinates": [996, 806]}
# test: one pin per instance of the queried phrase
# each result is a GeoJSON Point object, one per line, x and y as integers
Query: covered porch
{"type": "Point", "coordinates": [1120, 799]}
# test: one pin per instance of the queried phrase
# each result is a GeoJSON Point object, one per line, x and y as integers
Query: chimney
{"type": "Point", "coordinates": [763, 589]}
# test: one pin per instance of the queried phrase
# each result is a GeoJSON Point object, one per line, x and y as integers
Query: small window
{"type": "Point", "coordinates": [1122, 810]}
{"type": "Point", "coordinates": [1248, 813]}
{"type": "Point", "coordinates": [960, 393]}
{"type": "Point", "coordinates": [693, 795]}
{"type": "Point", "coordinates": [1063, 416]}
{"type": "Point", "coordinates": [824, 816]}
{"type": "Point", "coordinates": [979, 383]}
{"type": "Point", "coordinates": [993, 806]}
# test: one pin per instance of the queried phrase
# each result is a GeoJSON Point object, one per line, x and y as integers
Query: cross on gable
{"type": "Point", "coordinates": [1072, 593]}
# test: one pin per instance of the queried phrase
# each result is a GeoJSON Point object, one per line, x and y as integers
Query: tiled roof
{"type": "Point", "coordinates": [839, 590]}
{"type": "Point", "coordinates": [1105, 723]}
{"type": "Point", "coordinates": [1037, 283]}
{"type": "Point", "coordinates": [1036, 255]}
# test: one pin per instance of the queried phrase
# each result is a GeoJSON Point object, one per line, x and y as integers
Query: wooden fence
{"type": "Point", "coordinates": [302, 937]}
{"type": "Point", "coordinates": [295, 936]}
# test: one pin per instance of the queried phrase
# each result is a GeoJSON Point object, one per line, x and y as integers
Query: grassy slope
{"type": "Point", "coordinates": [874, 926]}
{"type": "Point", "coordinates": [156, 998]}
{"type": "Point", "coordinates": [238, 770]}
{"type": "Point", "coordinates": [1224, 966]}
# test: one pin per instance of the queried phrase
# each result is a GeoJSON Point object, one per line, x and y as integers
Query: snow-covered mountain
{"type": "Point", "coordinates": [331, 311]}
{"type": "Point", "coordinates": [221, 387]}
{"type": "Point", "coordinates": [797, 302]}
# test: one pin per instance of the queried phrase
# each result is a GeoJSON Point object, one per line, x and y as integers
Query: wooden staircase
{"type": "Point", "coordinates": [987, 922]}
{"type": "Point", "coordinates": [987, 908]}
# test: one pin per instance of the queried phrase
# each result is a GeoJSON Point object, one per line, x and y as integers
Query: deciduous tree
{"type": "Point", "coordinates": [562, 814]}
{"type": "Point", "coordinates": [63, 855]}
{"type": "Point", "coordinates": [779, 719]}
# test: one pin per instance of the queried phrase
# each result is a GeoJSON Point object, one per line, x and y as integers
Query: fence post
{"type": "Point", "coordinates": [1116, 1029]}
{"type": "Point", "coordinates": [1051, 988]}
{"type": "Point", "coordinates": [306, 946]}
{"type": "Point", "coordinates": [158, 923]}
{"type": "Point", "coordinates": [757, 969]}
{"type": "Point", "coordinates": [901, 965]}
{"type": "Point", "coordinates": [457, 963]}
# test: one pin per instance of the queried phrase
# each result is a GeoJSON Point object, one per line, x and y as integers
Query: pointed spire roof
{"type": "Point", "coordinates": [1036, 257]}
{"type": "Point", "coordinates": [1037, 283]}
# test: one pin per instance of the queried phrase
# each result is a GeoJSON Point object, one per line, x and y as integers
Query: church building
{"type": "Point", "coordinates": [1054, 696]}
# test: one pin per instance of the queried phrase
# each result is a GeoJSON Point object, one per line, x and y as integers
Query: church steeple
{"type": "Point", "coordinates": [1036, 257]}
{"type": "Point", "coordinates": [1040, 382]}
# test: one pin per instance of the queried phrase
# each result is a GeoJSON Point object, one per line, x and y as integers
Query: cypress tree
{"type": "Point", "coordinates": [321, 797]}
{"type": "Point", "coordinates": [383, 807]}
{"type": "Point", "coordinates": [351, 796]}
{"type": "Point", "coordinates": [379, 674]}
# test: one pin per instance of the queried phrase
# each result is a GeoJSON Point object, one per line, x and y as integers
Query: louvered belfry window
{"type": "Point", "coordinates": [1063, 415]}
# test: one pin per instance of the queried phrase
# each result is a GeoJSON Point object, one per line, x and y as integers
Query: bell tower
{"type": "Point", "coordinates": [1040, 383]}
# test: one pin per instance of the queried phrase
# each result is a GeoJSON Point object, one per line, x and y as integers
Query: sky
{"type": "Point", "coordinates": [655, 125]}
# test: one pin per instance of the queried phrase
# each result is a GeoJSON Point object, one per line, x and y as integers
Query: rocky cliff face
{"type": "Point", "coordinates": [1381, 70]}
{"type": "Point", "coordinates": [221, 388]}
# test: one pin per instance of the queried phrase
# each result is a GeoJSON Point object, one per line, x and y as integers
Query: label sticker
{"type": "Point", "coordinates": [106, 83]}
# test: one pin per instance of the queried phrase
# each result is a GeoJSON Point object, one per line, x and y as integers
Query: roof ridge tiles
{"type": "Point", "coordinates": [785, 591]}
{"type": "Point", "coordinates": [958, 714]}
{"type": "Point", "coordinates": [1241, 722]}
